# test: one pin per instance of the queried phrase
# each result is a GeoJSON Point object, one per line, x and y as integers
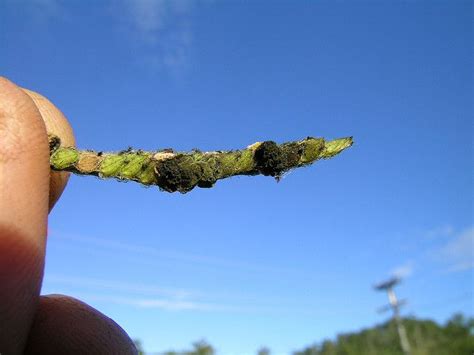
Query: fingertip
{"type": "Point", "coordinates": [65, 325]}
{"type": "Point", "coordinates": [57, 124]}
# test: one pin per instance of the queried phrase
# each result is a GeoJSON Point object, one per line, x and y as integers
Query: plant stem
{"type": "Point", "coordinates": [176, 171]}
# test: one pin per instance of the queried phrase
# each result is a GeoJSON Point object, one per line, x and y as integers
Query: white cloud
{"type": "Point", "coordinates": [129, 287]}
{"type": "Point", "coordinates": [148, 15]}
{"type": "Point", "coordinates": [148, 253]}
{"type": "Point", "coordinates": [157, 31]}
{"type": "Point", "coordinates": [441, 231]}
{"type": "Point", "coordinates": [133, 294]}
{"type": "Point", "coordinates": [154, 303]}
{"type": "Point", "coordinates": [161, 29]}
{"type": "Point", "coordinates": [174, 305]}
{"type": "Point", "coordinates": [130, 293]}
{"type": "Point", "coordinates": [403, 270]}
{"type": "Point", "coordinates": [458, 253]}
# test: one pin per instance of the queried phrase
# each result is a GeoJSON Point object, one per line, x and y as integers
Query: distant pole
{"type": "Point", "coordinates": [395, 304]}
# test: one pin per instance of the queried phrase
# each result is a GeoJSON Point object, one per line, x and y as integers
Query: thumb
{"type": "Point", "coordinates": [24, 183]}
{"type": "Point", "coordinates": [58, 125]}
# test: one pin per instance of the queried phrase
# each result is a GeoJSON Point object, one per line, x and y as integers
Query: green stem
{"type": "Point", "coordinates": [174, 171]}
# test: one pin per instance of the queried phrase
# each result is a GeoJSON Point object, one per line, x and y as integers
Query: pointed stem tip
{"type": "Point", "coordinates": [336, 146]}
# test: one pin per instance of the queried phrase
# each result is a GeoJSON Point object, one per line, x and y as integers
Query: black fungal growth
{"type": "Point", "coordinates": [273, 160]}
{"type": "Point", "coordinates": [172, 177]}
{"type": "Point", "coordinates": [54, 142]}
{"type": "Point", "coordinates": [183, 172]}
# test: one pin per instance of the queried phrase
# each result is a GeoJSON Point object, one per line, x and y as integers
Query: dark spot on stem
{"type": "Point", "coordinates": [269, 159]}
{"type": "Point", "coordinates": [273, 160]}
{"type": "Point", "coordinates": [185, 171]}
{"type": "Point", "coordinates": [206, 184]}
{"type": "Point", "coordinates": [126, 151]}
{"type": "Point", "coordinates": [177, 174]}
{"type": "Point", "coordinates": [54, 142]}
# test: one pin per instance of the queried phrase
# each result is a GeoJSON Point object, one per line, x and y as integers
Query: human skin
{"type": "Point", "coordinates": [30, 323]}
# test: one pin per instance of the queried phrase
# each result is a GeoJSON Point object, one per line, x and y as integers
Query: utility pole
{"type": "Point", "coordinates": [395, 305]}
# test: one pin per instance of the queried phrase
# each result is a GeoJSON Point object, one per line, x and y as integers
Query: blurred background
{"type": "Point", "coordinates": [253, 266]}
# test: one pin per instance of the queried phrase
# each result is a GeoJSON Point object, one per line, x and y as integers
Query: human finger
{"type": "Point", "coordinates": [64, 325]}
{"type": "Point", "coordinates": [57, 124]}
{"type": "Point", "coordinates": [24, 189]}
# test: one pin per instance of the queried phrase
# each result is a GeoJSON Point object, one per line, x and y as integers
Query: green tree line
{"type": "Point", "coordinates": [426, 337]}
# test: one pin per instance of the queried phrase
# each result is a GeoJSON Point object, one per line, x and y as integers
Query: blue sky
{"type": "Point", "coordinates": [252, 262]}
